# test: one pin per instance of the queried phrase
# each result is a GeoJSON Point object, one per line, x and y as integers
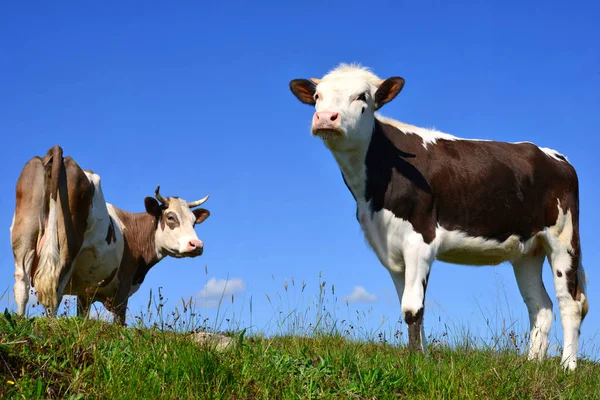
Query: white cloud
{"type": "Point", "coordinates": [214, 289]}
{"type": "Point", "coordinates": [101, 313]}
{"type": "Point", "coordinates": [210, 303]}
{"type": "Point", "coordinates": [360, 295]}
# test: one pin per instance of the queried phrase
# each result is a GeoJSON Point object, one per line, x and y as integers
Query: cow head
{"type": "Point", "coordinates": [345, 101]}
{"type": "Point", "coordinates": [175, 235]}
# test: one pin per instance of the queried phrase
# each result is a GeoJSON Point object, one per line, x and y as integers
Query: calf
{"type": "Point", "coordinates": [67, 240]}
{"type": "Point", "coordinates": [423, 195]}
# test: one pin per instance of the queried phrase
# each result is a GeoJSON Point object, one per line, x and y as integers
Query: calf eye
{"type": "Point", "coordinates": [170, 218]}
{"type": "Point", "coordinates": [362, 97]}
{"type": "Point", "coordinates": [316, 97]}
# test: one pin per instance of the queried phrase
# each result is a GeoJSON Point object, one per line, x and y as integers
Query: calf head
{"type": "Point", "coordinates": [345, 101]}
{"type": "Point", "coordinates": [175, 235]}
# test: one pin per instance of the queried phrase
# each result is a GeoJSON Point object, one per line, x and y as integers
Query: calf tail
{"type": "Point", "coordinates": [47, 274]}
{"type": "Point", "coordinates": [582, 282]}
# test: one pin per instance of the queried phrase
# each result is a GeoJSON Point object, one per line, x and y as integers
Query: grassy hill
{"type": "Point", "coordinates": [91, 359]}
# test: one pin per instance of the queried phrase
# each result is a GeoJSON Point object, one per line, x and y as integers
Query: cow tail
{"type": "Point", "coordinates": [47, 274]}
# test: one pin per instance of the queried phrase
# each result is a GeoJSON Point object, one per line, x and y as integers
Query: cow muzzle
{"type": "Point", "coordinates": [326, 124]}
{"type": "Point", "coordinates": [193, 248]}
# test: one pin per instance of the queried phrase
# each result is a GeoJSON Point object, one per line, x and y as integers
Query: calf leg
{"type": "Point", "coordinates": [528, 272]}
{"type": "Point", "coordinates": [399, 280]}
{"type": "Point", "coordinates": [418, 259]}
{"type": "Point", "coordinates": [570, 306]}
{"type": "Point", "coordinates": [569, 283]}
{"type": "Point", "coordinates": [416, 332]}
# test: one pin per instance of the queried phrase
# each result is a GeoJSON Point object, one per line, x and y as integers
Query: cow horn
{"type": "Point", "coordinates": [159, 197]}
{"type": "Point", "coordinates": [197, 202]}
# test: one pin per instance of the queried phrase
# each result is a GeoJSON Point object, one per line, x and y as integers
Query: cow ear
{"type": "Point", "coordinates": [201, 214]}
{"type": "Point", "coordinates": [304, 90]}
{"type": "Point", "coordinates": [388, 90]}
{"type": "Point", "coordinates": [152, 206]}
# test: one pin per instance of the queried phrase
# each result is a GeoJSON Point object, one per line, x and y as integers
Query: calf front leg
{"type": "Point", "coordinates": [418, 258]}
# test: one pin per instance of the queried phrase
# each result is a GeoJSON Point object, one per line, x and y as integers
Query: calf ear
{"type": "Point", "coordinates": [388, 90]}
{"type": "Point", "coordinates": [152, 206]}
{"type": "Point", "coordinates": [304, 90]}
{"type": "Point", "coordinates": [201, 214]}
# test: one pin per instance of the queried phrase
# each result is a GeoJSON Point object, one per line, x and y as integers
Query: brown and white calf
{"type": "Point", "coordinates": [423, 195]}
{"type": "Point", "coordinates": [67, 240]}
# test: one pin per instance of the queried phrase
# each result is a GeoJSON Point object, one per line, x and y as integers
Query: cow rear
{"type": "Point", "coordinates": [48, 226]}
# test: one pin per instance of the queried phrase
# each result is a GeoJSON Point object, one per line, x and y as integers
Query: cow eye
{"type": "Point", "coordinates": [170, 218]}
{"type": "Point", "coordinates": [362, 97]}
{"type": "Point", "coordinates": [316, 97]}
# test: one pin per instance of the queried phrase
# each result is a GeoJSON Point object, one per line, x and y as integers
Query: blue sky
{"type": "Point", "coordinates": [195, 96]}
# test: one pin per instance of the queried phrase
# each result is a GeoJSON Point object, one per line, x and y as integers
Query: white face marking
{"type": "Point", "coordinates": [176, 231]}
{"type": "Point", "coordinates": [352, 98]}
{"type": "Point", "coordinates": [348, 91]}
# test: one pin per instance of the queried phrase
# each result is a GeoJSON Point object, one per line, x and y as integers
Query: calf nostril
{"type": "Point", "coordinates": [334, 116]}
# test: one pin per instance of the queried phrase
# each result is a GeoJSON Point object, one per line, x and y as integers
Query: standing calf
{"type": "Point", "coordinates": [67, 240]}
{"type": "Point", "coordinates": [423, 195]}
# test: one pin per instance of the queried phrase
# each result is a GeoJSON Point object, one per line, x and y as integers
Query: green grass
{"type": "Point", "coordinates": [90, 359]}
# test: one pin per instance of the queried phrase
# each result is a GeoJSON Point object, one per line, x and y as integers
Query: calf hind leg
{"type": "Point", "coordinates": [569, 283]}
{"type": "Point", "coordinates": [528, 272]}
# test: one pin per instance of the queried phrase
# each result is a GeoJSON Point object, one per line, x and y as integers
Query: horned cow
{"type": "Point", "coordinates": [67, 240]}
